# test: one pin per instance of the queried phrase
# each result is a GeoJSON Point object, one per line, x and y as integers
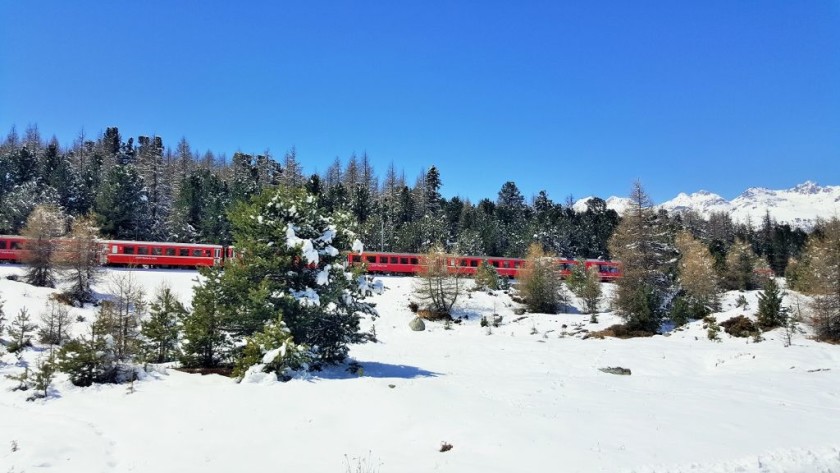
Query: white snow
{"type": "Point", "coordinates": [526, 396]}
{"type": "Point", "coordinates": [358, 247]}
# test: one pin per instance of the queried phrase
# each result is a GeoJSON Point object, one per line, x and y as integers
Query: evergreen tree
{"type": "Point", "coordinates": [20, 331]}
{"type": "Point", "coordinates": [486, 276]}
{"type": "Point", "coordinates": [272, 350]}
{"type": "Point", "coordinates": [642, 243]}
{"type": "Point", "coordinates": [205, 343]}
{"type": "Point", "coordinates": [740, 267]}
{"type": "Point", "coordinates": [122, 205]}
{"type": "Point", "coordinates": [771, 313]}
{"type": "Point", "coordinates": [160, 330]}
{"type": "Point", "coordinates": [586, 284]}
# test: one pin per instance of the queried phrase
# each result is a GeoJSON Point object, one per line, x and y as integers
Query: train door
{"type": "Point", "coordinates": [217, 256]}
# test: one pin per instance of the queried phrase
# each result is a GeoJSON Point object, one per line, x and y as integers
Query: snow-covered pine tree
{"type": "Point", "coordinates": [290, 269]}
{"type": "Point", "coordinates": [644, 245]}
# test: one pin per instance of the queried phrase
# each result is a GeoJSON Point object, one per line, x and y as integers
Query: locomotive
{"type": "Point", "coordinates": [195, 255]}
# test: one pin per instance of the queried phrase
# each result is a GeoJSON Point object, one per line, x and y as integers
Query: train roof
{"type": "Point", "coordinates": [162, 243]}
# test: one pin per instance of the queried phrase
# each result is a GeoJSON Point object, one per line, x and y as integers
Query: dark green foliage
{"type": "Point", "coordinates": [45, 369]}
{"type": "Point", "coordinates": [740, 326]}
{"type": "Point", "coordinates": [160, 330]}
{"type": "Point", "coordinates": [84, 361]}
{"type": "Point", "coordinates": [205, 344]}
{"type": "Point", "coordinates": [486, 277]}
{"type": "Point", "coordinates": [685, 309]}
{"type": "Point", "coordinates": [771, 313]}
{"type": "Point", "coordinates": [20, 331]}
{"type": "Point", "coordinates": [275, 343]}
{"type": "Point", "coordinates": [642, 309]}
{"type": "Point", "coordinates": [122, 205]}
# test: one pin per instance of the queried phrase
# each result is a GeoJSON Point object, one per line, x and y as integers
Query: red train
{"type": "Point", "coordinates": [193, 255]}
{"type": "Point", "coordinates": [137, 253]}
{"type": "Point", "coordinates": [408, 263]}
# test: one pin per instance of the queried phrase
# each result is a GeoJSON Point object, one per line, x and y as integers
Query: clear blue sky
{"type": "Point", "coordinates": [576, 98]}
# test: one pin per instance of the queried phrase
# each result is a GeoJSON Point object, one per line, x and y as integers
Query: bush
{"type": "Point", "coordinates": [486, 277]}
{"type": "Point", "coordinates": [771, 314]}
{"type": "Point", "coordinates": [622, 331]}
{"type": "Point", "coordinates": [539, 282]}
{"type": "Point", "coordinates": [740, 326]}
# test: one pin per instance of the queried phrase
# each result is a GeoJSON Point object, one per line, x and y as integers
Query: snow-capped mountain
{"type": "Point", "coordinates": [799, 206]}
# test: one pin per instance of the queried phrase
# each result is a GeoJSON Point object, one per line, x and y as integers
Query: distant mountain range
{"type": "Point", "coordinates": [799, 206]}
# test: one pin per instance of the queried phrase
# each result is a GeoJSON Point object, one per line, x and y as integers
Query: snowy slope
{"type": "Point", "coordinates": [799, 206]}
{"type": "Point", "coordinates": [526, 396]}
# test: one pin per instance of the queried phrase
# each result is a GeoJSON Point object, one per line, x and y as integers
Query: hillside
{"type": "Point", "coordinates": [799, 206]}
{"type": "Point", "coordinates": [525, 396]}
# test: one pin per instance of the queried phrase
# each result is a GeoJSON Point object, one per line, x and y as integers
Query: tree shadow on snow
{"type": "Point", "coordinates": [373, 369]}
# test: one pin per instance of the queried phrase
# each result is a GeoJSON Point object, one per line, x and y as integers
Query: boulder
{"type": "Point", "coordinates": [519, 311]}
{"type": "Point", "coordinates": [616, 370]}
{"type": "Point", "coordinates": [417, 324]}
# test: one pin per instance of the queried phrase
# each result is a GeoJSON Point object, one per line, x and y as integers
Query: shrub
{"type": "Point", "coordinates": [740, 326]}
{"type": "Point", "coordinates": [486, 276]}
{"type": "Point", "coordinates": [539, 282]}
{"type": "Point", "coordinates": [622, 331]}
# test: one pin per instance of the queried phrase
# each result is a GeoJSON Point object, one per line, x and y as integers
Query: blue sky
{"type": "Point", "coordinates": [577, 98]}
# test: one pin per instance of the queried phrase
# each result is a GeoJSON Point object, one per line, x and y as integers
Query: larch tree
{"type": "Point", "coordinates": [697, 278]}
{"type": "Point", "coordinates": [642, 243]}
{"type": "Point", "coordinates": [823, 253]}
{"type": "Point", "coordinates": [439, 282]}
{"type": "Point", "coordinates": [80, 257]}
{"type": "Point", "coordinates": [44, 225]}
{"type": "Point", "coordinates": [539, 281]}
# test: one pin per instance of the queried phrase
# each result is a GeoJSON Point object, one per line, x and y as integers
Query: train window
{"type": "Point", "coordinates": [15, 245]}
{"type": "Point", "coordinates": [383, 259]}
{"type": "Point", "coordinates": [114, 249]}
{"type": "Point", "coordinates": [506, 264]}
{"type": "Point", "coordinates": [357, 259]}
{"type": "Point", "coordinates": [473, 263]}
{"type": "Point", "coordinates": [413, 260]}
{"type": "Point", "coordinates": [157, 251]}
{"type": "Point", "coordinates": [183, 252]}
{"type": "Point", "coordinates": [197, 253]}
{"type": "Point", "coordinates": [170, 252]}
{"type": "Point", "coordinates": [2, 244]}
{"type": "Point", "coordinates": [218, 252]}
{"type": "Point", "coordinates": [393, 260]}
{"type": "Point", "coordinates": [517, 264]}
{"type": "Point", "coordinates": [128, 250]}
{"type": "Point", "coordinates": [371, 259]}
{"type": "Point", "coordinates": [495, 264]}
{"type": "Point", "coordinates": [403, 260]}
{"type": "Point", "coordinates": [464, 262]}
{"type": "Point", "coordinates": [142, 250]}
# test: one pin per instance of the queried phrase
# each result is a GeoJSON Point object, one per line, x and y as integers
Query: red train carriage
{"type": "Point", "coordinates": [11, 248]}
{"type": "Point", "coordinates": [151, 253]}
{"type": "Point", "coordinates": [408, 263]}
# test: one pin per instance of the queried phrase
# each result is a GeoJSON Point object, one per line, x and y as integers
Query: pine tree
{"type": "Point", "coordinates": [291, 268]}
{"type": "Point", "coordinates": [539, 281]}
{"type": "Point", "coordinates": [20, 331]}
{"type": "Point", "coordinates": [642, 243]}
{"type": "Point", "coordinates": [486, 276]}
{"type": "Point", "coordinates": [205, 343]}
{"type": "Point", "coordinates": [272, 350]}
{"type": "Point", "coordinates": [771, 313]}
{"type": "Point", "coordinates": [122, 205]}
{"type": "Point", "coordinates": [43, 226]}
{"type": "Point", "coordinates": [44, 374]}
{"type": "Point", "coordinates": [586, 284]}
{"type": "Point", "coordinates": [160, 330]}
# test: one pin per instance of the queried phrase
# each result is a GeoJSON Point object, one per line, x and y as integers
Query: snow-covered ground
{"type": "Point", "coordinates": [526, 396]}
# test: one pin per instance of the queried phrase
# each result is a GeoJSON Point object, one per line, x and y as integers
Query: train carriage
{"type": "Point", "coordinates": [152, 253]}
{"type": "Point", "coordinates": [11, 248]}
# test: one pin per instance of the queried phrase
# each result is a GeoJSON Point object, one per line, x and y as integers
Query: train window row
{"type": "Point", "coordinates": [158, 251]}
{"type": "Point", "coordinates": [13, 245]}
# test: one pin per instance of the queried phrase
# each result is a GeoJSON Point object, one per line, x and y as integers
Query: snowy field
{"type": "Point", "coordinates": [525, 397]}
